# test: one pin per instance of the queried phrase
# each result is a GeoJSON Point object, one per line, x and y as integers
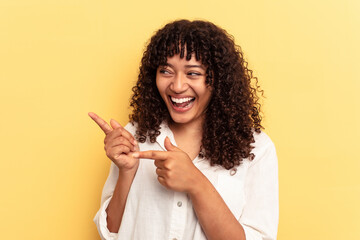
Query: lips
{"type": "Point", "coordinates": [182, 104]}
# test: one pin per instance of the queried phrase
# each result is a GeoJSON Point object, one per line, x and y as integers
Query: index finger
{"type": "Point", "coordinates": [102, 123]}
{"type": "Point", "coordinates": [155, 155]}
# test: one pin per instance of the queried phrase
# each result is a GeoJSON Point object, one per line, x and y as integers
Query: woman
{"type": "Point", "coordinates": [193, 162]}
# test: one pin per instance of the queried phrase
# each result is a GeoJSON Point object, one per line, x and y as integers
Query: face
{"type": "Point", "coordinates": [182, 86]}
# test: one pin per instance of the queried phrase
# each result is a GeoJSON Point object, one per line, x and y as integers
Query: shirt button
{"type": "Point", "coordinates": [233, 171]}
{"type": "Point", "coordinates": [179, 203]}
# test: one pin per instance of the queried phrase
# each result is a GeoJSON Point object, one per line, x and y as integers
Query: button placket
{"type": "Point", "coordinates": [178, 219]}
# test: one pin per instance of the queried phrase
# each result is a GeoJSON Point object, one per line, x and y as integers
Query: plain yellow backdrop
{"type": "Point", "coordinates": [60, 59]}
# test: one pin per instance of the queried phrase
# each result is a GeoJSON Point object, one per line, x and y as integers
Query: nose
{"type": "Point", "coordinates": [179, 83]}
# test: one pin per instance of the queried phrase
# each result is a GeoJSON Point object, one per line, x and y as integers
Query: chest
{"type": "Point", "coordinates": [228, 183]}
{"type": "Point", "coordinates": [189, 145]}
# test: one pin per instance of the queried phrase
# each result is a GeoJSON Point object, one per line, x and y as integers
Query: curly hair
{"type": "Point", "coordinates": [233, 113]}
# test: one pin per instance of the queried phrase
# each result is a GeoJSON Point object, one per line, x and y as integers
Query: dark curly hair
{"type": "Point", "coordinates": [233, 113]}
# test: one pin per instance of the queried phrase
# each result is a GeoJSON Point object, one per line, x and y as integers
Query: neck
{"type": "Point", "coordinates": [191, 129]}
{"type": "Point", "coordinates": [188, 137]}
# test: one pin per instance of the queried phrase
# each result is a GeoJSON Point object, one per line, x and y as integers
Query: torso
{"type": "Point", "coordinates": [155, 212]}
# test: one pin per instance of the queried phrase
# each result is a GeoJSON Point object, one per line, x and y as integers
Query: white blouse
{"type": "Point", "coordinates": [154, 212]}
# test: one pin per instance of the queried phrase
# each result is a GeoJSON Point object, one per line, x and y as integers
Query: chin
{"type": "Point", "coordinates": [179, 120]}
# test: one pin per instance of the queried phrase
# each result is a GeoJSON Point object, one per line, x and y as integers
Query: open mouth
{"type": "Point", "coordinates": [182, 103]}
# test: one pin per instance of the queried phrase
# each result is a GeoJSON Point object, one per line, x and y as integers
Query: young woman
{"type": "Point", "coordinates": [193, 162]}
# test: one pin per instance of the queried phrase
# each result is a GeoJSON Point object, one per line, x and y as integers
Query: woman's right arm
{"type": "Point", "coordinates": [116, 206]}
{"type": "Point", "coordinates": [119, 146]}
{"type": "Point", "coordinates": [106, 217]}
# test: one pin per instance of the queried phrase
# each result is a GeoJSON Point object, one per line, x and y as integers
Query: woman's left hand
{"type": "Point", "coordinates": [175, 169]}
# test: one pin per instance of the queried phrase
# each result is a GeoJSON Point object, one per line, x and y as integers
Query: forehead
{"type": "Point", "coordinates": [185, 59]}
{"type": "Point", "coordinates": [177, 59]}
{"type": "Point", "coordinates": [181, 63]}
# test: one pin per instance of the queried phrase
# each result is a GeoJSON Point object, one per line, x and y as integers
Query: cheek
{"type": "Point", "coordinates": [159, 86]}
{"type": "Point", "coordinates": [205, 93]}
{"type": "Point", "coordinates": [207, 98]}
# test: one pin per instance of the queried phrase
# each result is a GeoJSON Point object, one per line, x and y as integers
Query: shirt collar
{"type": "Point", "coordinates": [165, 131]}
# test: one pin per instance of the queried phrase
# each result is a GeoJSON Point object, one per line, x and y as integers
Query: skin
{"type": "Point", "coordinates": [176, 171]}
{"type": "Point", "coordinates": [174, 167]}
{"type": "Point", "coordinates": [181, 78]}
{"type": "Point", "coordinates": [119, 145]}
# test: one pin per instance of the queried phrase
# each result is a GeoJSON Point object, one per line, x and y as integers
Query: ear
{"type": "Point", "coordinates": [168, 145]}
{"type": "Point", "coordinates": [114, 124]}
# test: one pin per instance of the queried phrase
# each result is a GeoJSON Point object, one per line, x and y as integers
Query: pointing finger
{"type": "Point", "coordinates": [102, 124]}
{"type": "Point", "coordinates": [155, 155]}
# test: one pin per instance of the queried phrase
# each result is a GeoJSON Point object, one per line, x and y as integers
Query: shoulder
{"type": "Point", "coordinates": [262, 140]}
{"type": "Point", "coordinates": [264, 148]}
{"type": "Point", "coordinates": [131, 127]}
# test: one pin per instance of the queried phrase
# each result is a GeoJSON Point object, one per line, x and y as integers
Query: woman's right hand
{"type": "Point", "coordinates": [119, 144]}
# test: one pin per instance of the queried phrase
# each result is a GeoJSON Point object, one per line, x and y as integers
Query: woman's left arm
{"type": "Point", "coordinates": [216, 219]}
{"type": "Point", "coordinates": [260, 215]}
{"type": "Point", "coordinates": [176, 171]}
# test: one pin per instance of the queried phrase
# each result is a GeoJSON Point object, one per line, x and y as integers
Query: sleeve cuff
{"type": "Point", "coordinates": [101, 223]}
{"type": "Point", "coordinates": [251, 234]}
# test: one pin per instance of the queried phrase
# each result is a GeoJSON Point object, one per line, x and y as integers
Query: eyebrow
{"type": "Point", "coordinates": [188, 66]}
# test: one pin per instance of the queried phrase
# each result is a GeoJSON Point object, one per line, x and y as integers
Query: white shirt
{"type": "Point", "coordinates": [154, 212]}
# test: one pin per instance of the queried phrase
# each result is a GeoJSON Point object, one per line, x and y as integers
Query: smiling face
{"type": "Point", "coordinates": [181, 85]}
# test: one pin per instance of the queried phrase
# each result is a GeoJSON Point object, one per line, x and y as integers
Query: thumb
{"type": "Point", "coordinates": [114, 124]}
{"type": "Point", "coordinates": [168, 145]}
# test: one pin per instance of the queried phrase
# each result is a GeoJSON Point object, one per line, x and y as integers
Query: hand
{"type": "Point", "coordinates": [175, 169]}
{"type": "Point", "coordinates": [119, 143]}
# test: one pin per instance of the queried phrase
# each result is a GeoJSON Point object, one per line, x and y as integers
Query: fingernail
{"type": "Point", "coordinates": [135, 142]}
{"type": "Point", "coordinates": [135, 155]}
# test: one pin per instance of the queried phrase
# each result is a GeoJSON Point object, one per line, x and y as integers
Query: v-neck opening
{"type": "Point", "coordinates": [166, 132]}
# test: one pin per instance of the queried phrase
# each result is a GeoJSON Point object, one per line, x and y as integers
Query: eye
{"type": "Point", "coordinates": [194, 74]}
{"type": "Point", "coordinates": [164, 71]}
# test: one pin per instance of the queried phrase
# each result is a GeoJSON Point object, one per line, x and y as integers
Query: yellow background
{"type": "Point", "coordinates": [60, 59]}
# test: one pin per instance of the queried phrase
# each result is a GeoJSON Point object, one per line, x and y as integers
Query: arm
{"type": "Point", "coordinates": [114, 188]}
{"type": "Point", "coordinates": [119, 145]}
{"type": "Point", "coordinates": [116, 206]}
{"type": "Point", "coordinates": [216, 219]}
{"type": "Point", "coordinates": [260, 216]}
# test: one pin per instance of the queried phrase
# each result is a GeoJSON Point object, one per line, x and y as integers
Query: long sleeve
{"type": "Point", "coordinates": [101, 216]}
{"type": "Point", "coordinates": [260, 216]}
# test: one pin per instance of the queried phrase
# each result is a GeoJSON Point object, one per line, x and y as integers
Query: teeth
{"type": "Point", "coordinates": [180, 100]}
